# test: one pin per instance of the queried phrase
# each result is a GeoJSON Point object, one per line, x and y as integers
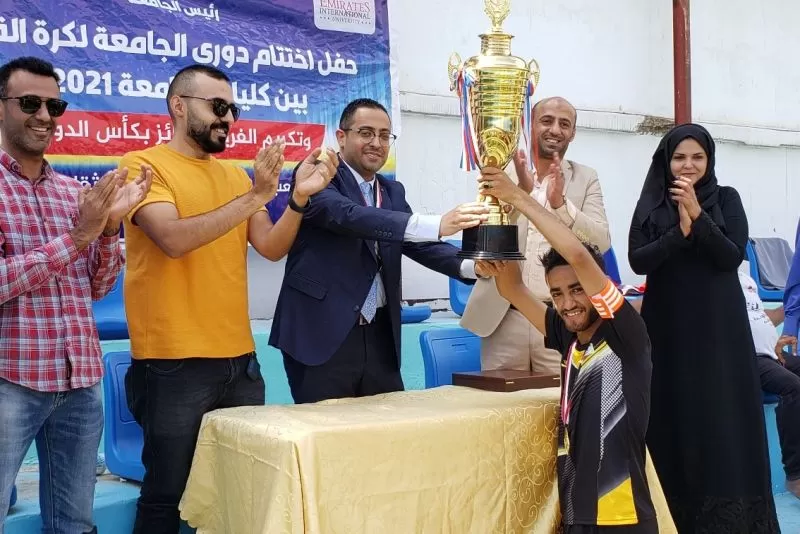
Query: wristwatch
{"type": "Point", "coordinates": [293, 205]}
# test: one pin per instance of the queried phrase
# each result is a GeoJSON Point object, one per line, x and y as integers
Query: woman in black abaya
{"type": "Point", "coordinates": [706, 433]}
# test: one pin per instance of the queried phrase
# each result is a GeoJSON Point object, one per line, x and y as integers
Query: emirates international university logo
{"type": "Point", "coordinates": [351, 16]}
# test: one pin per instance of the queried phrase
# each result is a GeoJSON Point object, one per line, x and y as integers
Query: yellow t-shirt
{"type": "Point", "coordinates": [195, 305]}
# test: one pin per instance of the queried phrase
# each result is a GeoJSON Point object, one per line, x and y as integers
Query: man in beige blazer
{"type": "Point", "coordinates": [571, 191]}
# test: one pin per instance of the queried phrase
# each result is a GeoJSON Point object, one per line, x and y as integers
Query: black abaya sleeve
{"type": "Point", "coordinates": [646, 255]}
{"type": "Point", "coordinates": [724, 248]}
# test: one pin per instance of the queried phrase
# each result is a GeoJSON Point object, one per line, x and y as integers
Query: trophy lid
{"type": "Point", "coordinates": [498, 11]}
{"type": "Point", "coordinates": [496, 42]}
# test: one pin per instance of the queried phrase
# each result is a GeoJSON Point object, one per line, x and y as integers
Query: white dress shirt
{"type": "Point", "coordinates": [420, 228]}
{"type": "Point", "coordinates": [765, 335]}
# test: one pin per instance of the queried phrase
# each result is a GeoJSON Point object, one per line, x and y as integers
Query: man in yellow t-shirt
{"type": "Point", "coordinates": [186, 281]}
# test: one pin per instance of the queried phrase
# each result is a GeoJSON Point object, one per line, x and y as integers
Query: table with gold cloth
{"type": "Point", "coordinates": [444, 460]}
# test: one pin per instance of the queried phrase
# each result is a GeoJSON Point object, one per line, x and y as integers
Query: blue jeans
{"type": "Point", "coordinates": [67, 427]}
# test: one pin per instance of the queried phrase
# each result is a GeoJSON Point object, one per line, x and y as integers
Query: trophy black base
{"type": "Point", "coordinates": [490, 242]}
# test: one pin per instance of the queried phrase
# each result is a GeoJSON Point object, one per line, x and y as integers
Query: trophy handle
{"type": "Point", "coordinates": [534, 72]}
{"type": "Point", "coordinates": [453, 68]}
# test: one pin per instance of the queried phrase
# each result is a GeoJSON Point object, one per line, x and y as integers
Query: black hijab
{"type": "Point", "coordinates": [655, 208]}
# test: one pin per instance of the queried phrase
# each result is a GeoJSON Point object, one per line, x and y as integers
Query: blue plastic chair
{"type": "Point", "coordinates": [767, 295]}
{"type": "Point", "coordinates": [415, 314]}
{"type": "Point", "coordinates": [459, 291]}
{"type": "Point", "coordinates": [123, 435]}
{"type": "Point", "coordinates": [459, 295]}
{"type": "Point", "coordinates": [109, 313]}
{"type": "Point", "coordinates": [775, 295]}
{"type": "Point", "coordinates": [446, 351]}
{"type": "Point", "coordinates": [13, 496]}
{"type": "Point", "coordinates": [612, 267]}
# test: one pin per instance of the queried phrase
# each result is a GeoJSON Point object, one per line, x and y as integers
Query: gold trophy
{"type": "Point", "coordinates": [495, 91]}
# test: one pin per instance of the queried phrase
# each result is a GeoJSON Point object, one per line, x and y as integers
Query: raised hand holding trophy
{"type": "Point", "coordinates": [495, 91]}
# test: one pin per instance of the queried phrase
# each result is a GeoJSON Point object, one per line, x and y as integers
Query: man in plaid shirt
{"type": "Point", "coordinates": [59, 250]}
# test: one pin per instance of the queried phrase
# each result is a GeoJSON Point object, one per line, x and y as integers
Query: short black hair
{"type": "Point", "coordinates": [346, 120]}
{"type": "Point", "coordinates": [31, 64]}
{"type": "Point", "coordinates": [552, 259]}
{"type": "Point", "coordinates": [183, 82]}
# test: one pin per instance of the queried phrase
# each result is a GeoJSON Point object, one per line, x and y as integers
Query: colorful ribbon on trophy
{"type": "Point", "coordinates": [469, 158]}
{"type": "Point", "coordinates": [527, 123]}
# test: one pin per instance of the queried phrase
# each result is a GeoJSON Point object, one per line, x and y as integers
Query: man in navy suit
{"type": "Point", "coordinates": [337, 320]}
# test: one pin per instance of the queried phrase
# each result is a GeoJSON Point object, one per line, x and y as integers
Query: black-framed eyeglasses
{"type": "Point", "coordinates": [368, 134]}
{"type": "Point", "coordinates": [219, 106]}
{"type": "Point", "coordinates": [31, 104]}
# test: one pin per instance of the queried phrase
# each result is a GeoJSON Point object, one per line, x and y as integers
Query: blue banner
{"type": "Point", "coordinates": [294, 64]}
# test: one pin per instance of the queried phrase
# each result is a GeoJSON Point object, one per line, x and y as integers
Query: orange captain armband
{"type": "Point", "coordinates": [608, 301]}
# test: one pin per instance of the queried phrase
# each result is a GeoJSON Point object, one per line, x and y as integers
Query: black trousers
{"type": "Point", "coordinates": [645, 527]}
{"type": "Point", "coordinates": [364, 365]}
{"type": "Point", "coordinates": [168, 398]}
{"type": "Point", "coordinates": [785, 382]}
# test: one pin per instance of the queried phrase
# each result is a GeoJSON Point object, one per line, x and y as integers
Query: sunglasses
{"type": "Point", "coordinates": [31, 104]}
{"type": "Point", "coordinates": [219, 106]}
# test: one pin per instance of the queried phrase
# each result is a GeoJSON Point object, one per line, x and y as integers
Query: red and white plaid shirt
{"type": "Point", "coordinates": [48, 337]}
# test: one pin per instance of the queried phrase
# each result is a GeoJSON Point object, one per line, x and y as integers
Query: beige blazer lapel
{"type": "Point", "coordinates": [566, 169]}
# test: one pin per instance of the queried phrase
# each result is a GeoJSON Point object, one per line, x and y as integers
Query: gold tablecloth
{"type": "Point", "coordinates": [445, 460]}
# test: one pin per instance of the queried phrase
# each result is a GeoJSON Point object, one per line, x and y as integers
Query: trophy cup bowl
{"type": "Point", "coordinates": [495, 90]}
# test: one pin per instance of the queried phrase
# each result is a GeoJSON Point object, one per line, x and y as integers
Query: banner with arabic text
{"type": "Point", "coordinates": [294, 64]}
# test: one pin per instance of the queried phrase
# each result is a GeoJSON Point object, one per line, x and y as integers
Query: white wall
{"type": "Point", "coordinates": [745, 63]}
{"type": "Point", "coordinates": [614, 62]}
{"type": "Point", "coordinates": [574, 41]}
{"type": "Point", "coordinates": [615, 65]}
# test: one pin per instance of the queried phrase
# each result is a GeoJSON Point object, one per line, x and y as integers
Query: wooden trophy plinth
{"type": "Point", "coordinates": [506, 380]}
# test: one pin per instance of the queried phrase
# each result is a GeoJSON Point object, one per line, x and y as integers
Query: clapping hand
{"type": "Point", "coordinates": [524, 175]}
{"type": "Point", "coordinates": [94, 205]}
{"type": "Point", "coordinates": [129, 196]}
{"type": "Point", "coordinates": [683, 193]}
{"type": "Point", "coordinates": [267, 170]}
{"type": "Point", "coordinates": [555, 187]}
{"type": "Point", "coordinates": [313, 176]}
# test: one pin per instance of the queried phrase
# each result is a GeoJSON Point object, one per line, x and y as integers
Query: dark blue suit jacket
{"type": "Point", "coordinates": [331, 265]}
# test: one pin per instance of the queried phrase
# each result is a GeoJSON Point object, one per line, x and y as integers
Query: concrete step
{"type": "Point", "coordinates": [114, 505]}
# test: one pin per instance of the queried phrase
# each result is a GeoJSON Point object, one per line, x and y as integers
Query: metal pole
{"type": "Point", "coordinates": [681, 54]}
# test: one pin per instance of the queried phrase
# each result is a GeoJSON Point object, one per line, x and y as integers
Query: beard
{"type": "Point", "coordinates": [25, 141]}
{"type": "Point", "coordinates": [374, 167]}
{"type": "Point", "coordinates": [591, 317]}
{"type": "Point", "coordinates": [548, 152]}
{"type": "Point", "coordinates": [206, 137]}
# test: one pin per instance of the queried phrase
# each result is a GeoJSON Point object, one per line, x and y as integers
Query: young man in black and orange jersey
{"type": "Point", "coordinates": [605, 374]}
